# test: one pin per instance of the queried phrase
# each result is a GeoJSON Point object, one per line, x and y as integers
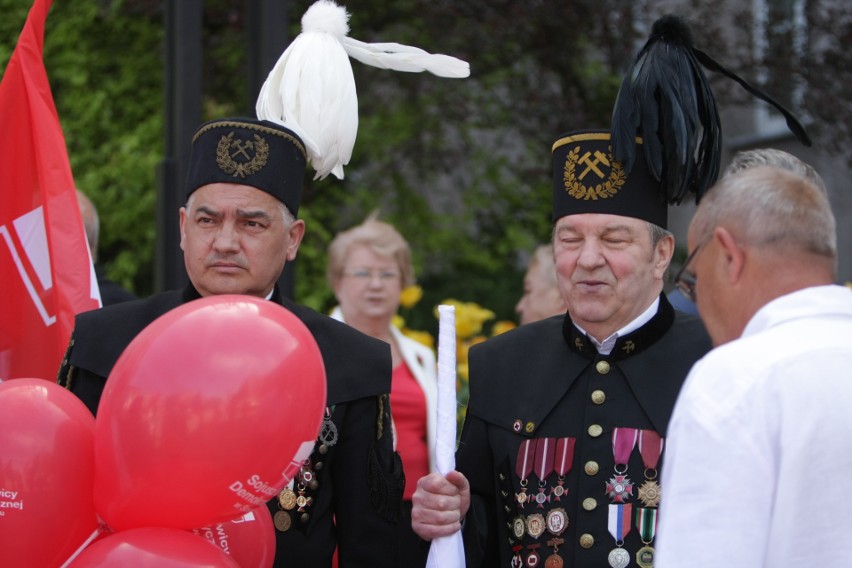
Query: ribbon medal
{"type": "Point", "coordinates": [523, 467]}
{"type": "Point", "coordinates": [650, 447]}
{"type": "Point", "coordinates": [543, 466]}
{"type": "Point", "coordinates": [562, 463]}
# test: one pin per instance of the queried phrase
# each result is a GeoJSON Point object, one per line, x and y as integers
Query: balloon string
{"type": "Point", "coordinates": [101, 529]}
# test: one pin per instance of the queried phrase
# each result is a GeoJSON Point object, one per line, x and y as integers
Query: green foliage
{"type": "Point", "coordinates": [104, 64]}
{"type": "Point", "coordinates": [461, 167]}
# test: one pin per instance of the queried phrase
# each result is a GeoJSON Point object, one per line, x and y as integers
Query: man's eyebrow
{"type": "Point", "coordinates": [257, 214]}
{"type": "Point", "coordinates": [617, 228]}
{"type": "Point", "coordinates": [207, 211]}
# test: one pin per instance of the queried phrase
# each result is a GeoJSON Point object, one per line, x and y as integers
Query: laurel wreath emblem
{"type": "Point", "coordinates": [603, 190]}
{"type": "Point", "coordinates": [230, 166]}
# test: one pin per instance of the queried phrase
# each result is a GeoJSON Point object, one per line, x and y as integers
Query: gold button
{"type": "Point", "coordinates": [587, 540]}
{"type": "Point", "coordinates": [591, 467]}
{"type": "Point", "coordinates": [589, 504]}
{"type": "Point", "coordinates": [598, 396]}
{"type": "Point", "coordinates": [602, 367]}
{"type": "Point", "coordinates": [530, 427]}
{"type": "Point", "coordinates": [595, 430]}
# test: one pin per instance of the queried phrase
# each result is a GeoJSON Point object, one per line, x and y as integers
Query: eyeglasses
{"type": "Point", "coordinates": [365, 274]}
{"type": "Point", "coordinates": [686, 280]}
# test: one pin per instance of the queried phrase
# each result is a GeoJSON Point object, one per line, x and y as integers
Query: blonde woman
{"type": "Point", "coordinates": [368, 267]}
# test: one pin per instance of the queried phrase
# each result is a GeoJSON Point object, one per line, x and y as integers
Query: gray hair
{"type": "Point", "coordinates": [380, 237]}
{"type": "Point", "coordinates": [746, 159]}
{"type": "Point", "coordinates": [91, 222]}
{"type": "Point", "coordinates": [768, 205]}
{"type": "Point", "coordinates": [658, 233]}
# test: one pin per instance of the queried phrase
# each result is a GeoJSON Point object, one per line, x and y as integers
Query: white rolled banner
{"type": "Point", "coordinates": [447, 551]}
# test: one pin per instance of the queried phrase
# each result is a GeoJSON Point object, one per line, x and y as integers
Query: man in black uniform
{"type": "Point", "coordinates": [560, 452]}
{"type": "Point", "coordinates": [559, 458]}
{"type": "Point", "coordinates": [238, 229]}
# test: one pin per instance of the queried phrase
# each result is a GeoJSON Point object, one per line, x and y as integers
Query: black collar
{"type": "Point", "coordinates": [625, 346]}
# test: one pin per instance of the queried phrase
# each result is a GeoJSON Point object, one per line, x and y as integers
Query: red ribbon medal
{"type": "Point", "coordinates": [523, 467]}
{"type": "Point", "coordinates": [544, 455]}
{"type": "Point", "coordinates": [562, 463]}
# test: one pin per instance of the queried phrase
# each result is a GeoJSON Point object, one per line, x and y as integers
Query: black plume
{"type": "Point", "coordinates": [666, 99]}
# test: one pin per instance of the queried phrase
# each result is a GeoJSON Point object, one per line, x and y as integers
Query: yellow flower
{"type": "Point", "coordinates": [462, 371]}
{"type": "Point", "coordinates": [423, 337]}
{"type": "Point", "coordinates": [502, 326]}
{"type": "Point", "coordinates": [409, 297]}
{"type": "Point", "coordinates": [469, 317]}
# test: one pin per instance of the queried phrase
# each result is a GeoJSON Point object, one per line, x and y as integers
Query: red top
{"type": "Point", "coordinates": [408, 406]}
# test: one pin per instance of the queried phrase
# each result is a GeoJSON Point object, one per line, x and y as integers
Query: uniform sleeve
{"type": "Point", "coordinates": [87, 386]}
{"type": "Point", "coordinates": [368, 483]}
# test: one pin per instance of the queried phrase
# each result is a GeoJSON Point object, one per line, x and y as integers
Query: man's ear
{"type": "Point", "coordinates": [296, 232]}
{"type": "Point", "coordinates": [733, 254]}
{"type": "Point", "coordinates": [664, 250]}
{"type": "Point", "coordinates": [183, 220]}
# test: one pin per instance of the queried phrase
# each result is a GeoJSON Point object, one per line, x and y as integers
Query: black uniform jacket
{"type": "Point", "coordinates": [546, 380]}
{"type": "Point", "coordinates": [357, 488]}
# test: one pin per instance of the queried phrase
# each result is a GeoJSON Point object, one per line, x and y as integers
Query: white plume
{"type": "Point", "coordinates": [311, 89]}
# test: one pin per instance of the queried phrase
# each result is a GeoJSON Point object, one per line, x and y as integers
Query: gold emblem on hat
{"type": "Point", "coordinates": [241, 158]}
{"type": "Point", "coordinates": [592, 175]}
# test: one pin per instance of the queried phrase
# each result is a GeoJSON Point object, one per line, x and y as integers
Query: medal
{"type": "Point", "coordinates": [328, 431]}
{"type": "Point", "coordinates": [533, 558]}
{"type": "Point", "coordinates": [282, 521]}
{"type": "Point", "coordinates": [645, 557]}
{"type": "Point", "coordinates": [519, 527]}
{"type": "Point", "coordinates": [543, 467]}
{"type": "Point", "coordinates": [646, 524]}
{"type": "Point", "coordinates": [650, 447]}
{"type": "Point", "coordinates": [619, 527]}
{"type": "Point", "coordinates": [618, 558]}
{"type": "Point", "coordinates": [619, 488]}
{"type": "Point", "coordinates": [517, 561]}
{"type": "Point", "coordinates": [649, 493]}
{"type": "Point", "coordinates": [554, 560]}
{"type": "Point", "coordinates": [557, 521]}
{"type": "Point", "coordinates": [523, 468]}
{"type": "Point", "coordinates": [287, 499]}
{"type": "Point", "coordinates": [562, 463]}
{"type": "Point", "coordinates": [535, 525]}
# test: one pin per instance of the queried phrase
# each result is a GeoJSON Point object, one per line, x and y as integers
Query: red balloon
{"type": "Point", "coordinates": [153, 548]}
{"type": "Point", "coordinates": [207, 414]}
{"type": "Point", "coordinates": [46, 474]}
{"type": "Point", "coordinates": [250, 539]}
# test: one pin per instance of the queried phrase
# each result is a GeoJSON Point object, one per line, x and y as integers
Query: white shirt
{"type": "Point", "coordinates": [606, 346]}
{"type": "Point", "coordinates": [759, 450]}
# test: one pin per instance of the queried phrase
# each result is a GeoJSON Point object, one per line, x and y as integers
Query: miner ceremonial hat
{"type": "Point", "coordinates": [586, 179]}
{"type": "Point", "coordinates": [247, 151]}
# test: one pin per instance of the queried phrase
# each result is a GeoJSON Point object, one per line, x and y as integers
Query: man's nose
{"type": "Point", "coordinates": [227, 238]}
{"type": "Point", "coordinates": [591, 254]}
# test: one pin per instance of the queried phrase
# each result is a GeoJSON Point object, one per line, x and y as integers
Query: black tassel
{"type": "Point", "coordinates": [666, 99]}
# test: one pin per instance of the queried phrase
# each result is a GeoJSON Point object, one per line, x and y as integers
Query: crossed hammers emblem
{"type": "Point", "coordinates": [592, 165]}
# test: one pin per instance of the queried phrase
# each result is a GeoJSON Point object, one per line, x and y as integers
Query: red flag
{"type": "Point", "coordinates": [45, 267]}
